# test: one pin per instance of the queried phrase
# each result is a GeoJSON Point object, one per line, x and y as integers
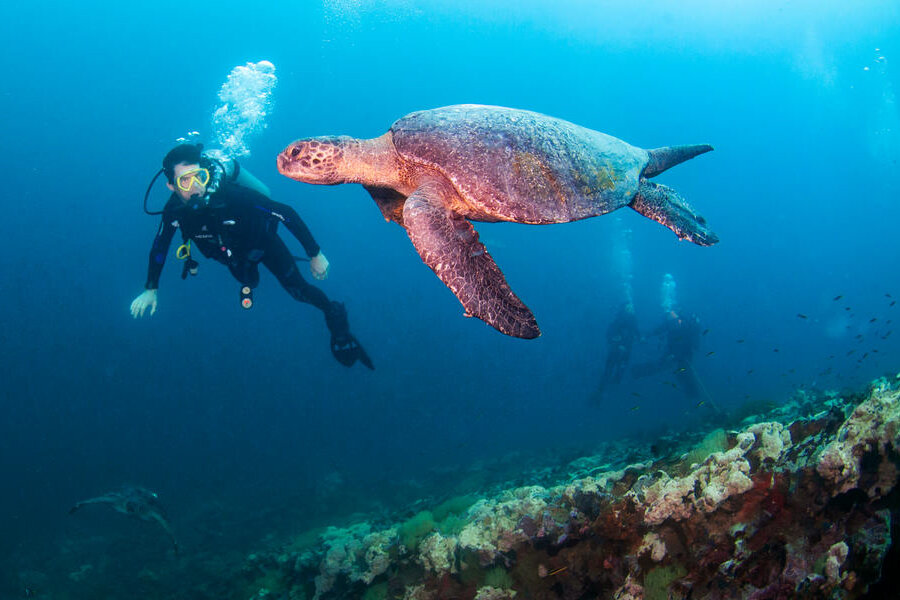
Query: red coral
{"type": "Point", "coordinates": [765, 500]}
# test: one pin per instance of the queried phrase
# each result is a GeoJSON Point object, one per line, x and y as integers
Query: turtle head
{"type": "Point", "coordinates": [319, 160]}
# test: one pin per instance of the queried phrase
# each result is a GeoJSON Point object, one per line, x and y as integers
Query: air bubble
{"type": "Point", "coordinates": [246, 98]}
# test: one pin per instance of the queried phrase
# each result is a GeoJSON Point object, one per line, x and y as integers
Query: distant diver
{"type": "Point", "coordinates": [680, 335]}
{"type": "Point", "coordinates": [620, 337]}
{"type": "Point", "coordinates": [135, 502]}
{"type": "Point", "coordinates": [225, 212]}
{"type": "Point", "coordinates": [436, 171]}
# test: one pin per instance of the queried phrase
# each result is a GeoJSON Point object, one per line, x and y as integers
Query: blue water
{"type": "Point", "coordinates": [205, 402]}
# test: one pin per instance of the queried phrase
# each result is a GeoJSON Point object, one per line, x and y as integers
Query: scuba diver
{"type": "Point", "coordinates": [620, 337]}
{"type": "Point", "coordinates": [136, 502]}
{"type": "Point", "coordinates": [226, 213]}
{"type": "Point", "coordinates": [680, 338]}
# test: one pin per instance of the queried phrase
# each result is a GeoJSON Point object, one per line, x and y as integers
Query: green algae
{"type": "Point", "coordinates": [715, 441]}
{"type": "Point", "coordinates": [415, 528]}
{"type": "Point", "coordinates": [273, 582]}
{"type": "Point", "coordinates": [305, 540]}
{"type": "Point", "coordinates": [454, 506]}
{"type": "Point", "coordinates": [498, 577]}
{"type": "Point", "coordinates": [379, 591]}
{"type": "Point", "coordinates": [658, 580]}
{"type": "Point", "coordinates": [447, 518]}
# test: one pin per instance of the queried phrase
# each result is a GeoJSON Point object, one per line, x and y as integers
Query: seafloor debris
{"type": "Point", "coordinates": [800, 504]}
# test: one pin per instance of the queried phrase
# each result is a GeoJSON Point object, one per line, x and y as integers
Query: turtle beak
{"type": "Point", "coordinates": [284, 161]}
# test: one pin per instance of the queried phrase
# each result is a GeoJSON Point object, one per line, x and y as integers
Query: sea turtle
{"type": "Point", "coordinates": [436, 170]}
{"type": "Point", "coordinates": [136, 502]}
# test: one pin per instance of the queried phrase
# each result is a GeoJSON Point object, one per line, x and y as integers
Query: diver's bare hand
{"type": "Point", "coordinates": [142, 302]}
{"type": "Point", "coordinates": [319, 266]}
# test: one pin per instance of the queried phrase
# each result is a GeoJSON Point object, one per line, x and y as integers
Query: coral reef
{"type": "Point", "coordinates": [791, 504]}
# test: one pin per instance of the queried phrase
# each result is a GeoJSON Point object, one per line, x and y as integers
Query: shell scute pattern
{"type": "Point", "coordinates": [521, 166]}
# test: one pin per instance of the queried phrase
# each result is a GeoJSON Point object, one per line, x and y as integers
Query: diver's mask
{"type": "Point", "coordinates": [188, 178]}
{"type": "Point", "coordinates": [186, 183]}
{"type": "Point", "coordinates": [210, 174]}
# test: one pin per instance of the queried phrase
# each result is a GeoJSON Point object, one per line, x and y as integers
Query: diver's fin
{"type": "Point", "coordinates": [665, 206]}
{"type": "Point", "coordinates": [669, 156]}
{"type": "Point", "coordinates": [449, 245]}
{"type": "Point", "coordinates": [347, 350]}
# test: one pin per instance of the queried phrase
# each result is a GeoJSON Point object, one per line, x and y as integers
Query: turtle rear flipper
{"type": "Point", "coordinates": [449, 245]}
{"type": "Point", "coordinates": [665, 206]}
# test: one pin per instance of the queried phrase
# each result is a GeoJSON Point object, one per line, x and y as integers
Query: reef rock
{"type": "Point", "coordinates": [790, 506]}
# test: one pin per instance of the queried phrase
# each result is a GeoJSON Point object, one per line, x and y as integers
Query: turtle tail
{"type": "Point", "coordinates": [667, 157]}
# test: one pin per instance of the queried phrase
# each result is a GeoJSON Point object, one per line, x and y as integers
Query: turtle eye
{"type": "Point", "coordinates": [295, 151]}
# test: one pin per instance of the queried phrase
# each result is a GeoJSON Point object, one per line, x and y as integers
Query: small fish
{"type": "Point", "coordinates": [774, 349]}
{"type": "Point", "coordinates": [681, 370]}
{"type": "Point", "coordinates": [705, 331]}
{"type": "Point", "coordinates": [711, 352]}
{"type": "Point", "coordinates": [635, 394]}
{"type": "Point", "coordinates": [873, 319]}
{"type": "Point", "coordinates": [864, 355]}
{"type": "Point", "coordinates": [836, 298]}
{"type": "Point", "coordinates": [635, 407]}
{"type": "Point", "coordinates": [830, 356]}
{"type": "Point", "coordinates": [749, 371]}
{"type": "Point", "coordinates": [893, 302]}
{"type": "Point", "coordinates": [850, 352]}
{"type": "Point", "coordinates": [802, 316]}
{"type": "Point", "coordinates": [887, 296]}
{"type": "Point", "coordinates": [740, 341]}
{"type": "Point", "coordinates": [847, 308]}
{"type": "Point", "coordinates": [701, 403]}
{"type": "Point", "coordinates": [859, 336]}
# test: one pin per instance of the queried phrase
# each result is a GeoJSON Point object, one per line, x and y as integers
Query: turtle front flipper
{"type": "Point", "coordinates": [449, 245]}
{"type": "Point", "coordinates": [113, 499]}
{"type": "Point", "coordinates": [665, 206]}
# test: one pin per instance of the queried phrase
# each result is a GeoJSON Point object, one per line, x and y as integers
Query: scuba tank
{"type": "Point", "coordinates": [228, 169]}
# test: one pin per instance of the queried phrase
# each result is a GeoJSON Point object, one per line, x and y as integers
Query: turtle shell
{"type": "Point", "coordinates": [522, 166]}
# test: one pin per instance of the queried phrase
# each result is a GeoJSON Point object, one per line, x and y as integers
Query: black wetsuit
{"type": "Point", "coordinates": [681, 339]}
{"type": "Point", "coordinates": [238, 228]}
{"type": "Point", "coordinates": [620, 336]}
